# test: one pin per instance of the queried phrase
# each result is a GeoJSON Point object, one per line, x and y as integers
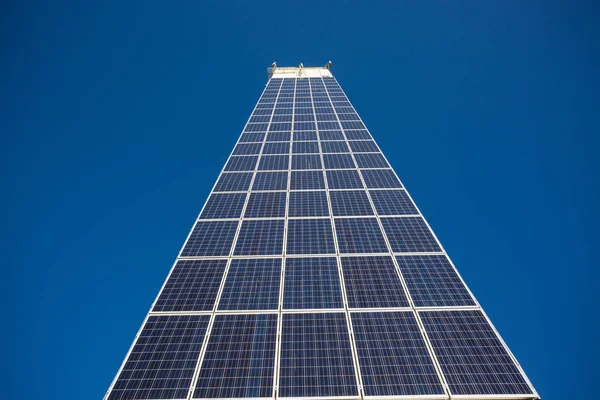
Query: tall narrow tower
{"type": "Point", "coordinates": [310, 273]}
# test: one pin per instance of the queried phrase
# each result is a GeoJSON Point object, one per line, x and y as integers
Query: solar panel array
{"type": "Point", "coordinates": [310, 273]}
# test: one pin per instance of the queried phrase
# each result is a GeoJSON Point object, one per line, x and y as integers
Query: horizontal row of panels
{"type": "Point", "coordinates": [312, 283]}
{"type": "Point", "coordinates": [308, 180]}
{"type": "Point", "coordinates": [316, 356]}
{"type": "Point", "coordinates": [304, 126]}
{"type": "Point", "coordinates": [310, 236]}
{"type": "Point", "coordinates": [307, 204]}
{"type": "Point", "coordinates": [282, 162]}
{"type": "Point", "coordinates": [306, 146]}
{"type": "Point", "coordinates": [287, 136]}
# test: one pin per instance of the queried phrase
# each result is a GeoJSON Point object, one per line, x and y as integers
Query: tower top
{"type": "Point", "coordinates": [300, 71]}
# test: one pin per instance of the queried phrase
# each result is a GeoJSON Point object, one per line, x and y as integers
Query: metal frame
{"type": "Point", "coordinates": [280, 311]}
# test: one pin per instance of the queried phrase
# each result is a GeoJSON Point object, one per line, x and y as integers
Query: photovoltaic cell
{"type": "Point", "coordinates": [307, 135]}
{"type": "Point", "coordinates": [393, 202]}
{"type": "Point", "coordinates": [306, 161]}
{"type": "Point", "coordinates": [334, 147]}
{"type": "Point", "coordinates": [192, 286]}
{"type": "Point", "coordinates": [241, 163]}
{"type": "Point", "coordinates": [224, 206]}
{"type": "Point", "coordinates": [350, 203]}
{"type": "Point", "coordinates": [337, 161]}
{"type": "Point", "coordinates": [274, 163]}
{"type": "Point", "coordinates": [316, 358]}
{"type": "Point", "coordinates": [265, 205]}
{"type": "Point", "coordinates": [260, 237]}
{"type": "Point", "coordinates": [276, 148]}
{"type": "Point", "coordinates": [308, 204]}
{"type": "Point", "coordinates": [371, 160]}
{"type": "Point", "coordinates": [359, 235]}
{"type": "Point", "coordinates": [310, 236]}
{"type": "Point", "coordinates": [234, 182]}
{"type": "Point", "coordinates": [305, 147]}
{"type": "Point", "coordinates": [247, 149]}
{"type": "Point", "coordinates": [471, 356]}
{"type": "Point", "coordinates": [252, 284]}
{"type": "Point", "coordinates": [240, 358]}
{"type": "Point", "coordinates": [409, 234]}
{"type": "Point", "coordinates": [331, 135]}
{"type": "Point", "coordinates": [433, 282]}
{"type": "Point", "coordinates": [380, 178]}
{"type": "Point", "coordinates": [210, 238]}
{"type": "Point", "coordinates": [279, 136]}
{"type": "Point", "coordinates": [249, 137]}
{"type": "Point", "coordinates": [357, 134]}
{"type": "Point", "coordinates": [393, 357]}
{"type": "Point", "coordinates": [344, 179]}
{"type": "Point", "coordinates": [372, 282]}
{"type": "Point", "coordinates": [161, 364]}
{"type": "Point", "coordinates": [312, 283]}
{"type": "Point", "coordinates": [307, 180]}
{"type": "Point", "coordinates": [363, 146]}
{"type": "Point", "coordinates": [270, 181]}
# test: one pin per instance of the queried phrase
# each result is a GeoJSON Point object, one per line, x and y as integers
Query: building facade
{"type": "Point", "coordinates": [311, 273]}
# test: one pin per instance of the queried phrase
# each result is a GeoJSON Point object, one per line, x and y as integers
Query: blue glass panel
{"type": "Point", "coordinates": [473, 359]}
{"type": "Point", "coordinates": [312, 283]}
{"type": "Point", "coordinates": [316, 359]}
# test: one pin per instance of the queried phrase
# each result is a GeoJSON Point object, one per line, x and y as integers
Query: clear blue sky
{"type": "Point", "coordinates": [116, 120]}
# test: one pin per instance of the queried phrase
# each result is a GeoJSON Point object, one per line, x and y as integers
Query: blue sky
{"type": "Point", "coordinates": [117, 118]}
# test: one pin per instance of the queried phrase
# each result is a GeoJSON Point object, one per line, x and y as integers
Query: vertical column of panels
{"type": "Point", "coordinates": [284, 142]}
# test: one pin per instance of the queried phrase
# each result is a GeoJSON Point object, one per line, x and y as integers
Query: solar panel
{"type": "Point", "coordinates": [371, 160]}
{"type": "Point", "coordinates": [192, 286]}
{"type": "Point", "coordinates": [316, 357]}
{"type": "Point", "coordinates": [344, 179]}
{"type": "Point", "coordinates": [331, 135]}
{"type": "Point", "coordinates": [265, 205]}
{"type": "Point", "coordinates": [312, 283]}
{"type": "Point", "coordinates": [308, 135]}
{"type": "Point", "coordinates": [276, 148]}
{"type": "Point", "coordinates": [380, 178]}
{"type": "Point", "coordinates": [224, 206]}
{"type": "Point", "coordinates": [338, 161]}
{"type": "Point", "coordinates": [279, 136]}
{"type": "Point", "coordinates": [274, 163]}
{"type": "Point", "coordinates": [472, 358]}
{"type": "Point", "coordinates": [363, 146]}
{"type": "Point", "coordinates": [210, 238]}
{"type": "Point", "coordinates": [359, 235]}
{"type": "Point", "coordinates": [270, 181]}
{"type": "Point", "coordinates": [260, 237]}
{"type": "Point", "coordinates": [393, 356]}
{"type": "Point", "coordinates": [335, 147]}
{"type": "Point", "coordinates": [372, 282]}
{"type": "Point", "coordinates": [433, 282]}
{"type": "Point", "coordinates": [308, 204]}
{"type": "Point", "coordinates": [310, 236]}
{"type": "Point", "coordinates": [393, 202]}
{"type": "Point", "coordinates": [350, 203]}
{"type": "Point", "coordinates": [240, 358]}
{"type": "Point", "coordinates": [308, 264]}
{"type": "Point", "coordinates": [252, 284]}
{"type": "Point", "coordinates": [241, 163]}
{"type": "Point", "coordinates": [162, 362]}
{"type": "Point", "coordinates": [234, 182]}
{"type": "Point", "coordinates": [247, 149]}
{"type": "Point", "coordinates": [307, 180]}
{"type": "Point", "coordinates": [357, 134]}
{"type": "Point", "coordinates": [305, 147]}
{"type": "Point", "coordinates": [409, 234]}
